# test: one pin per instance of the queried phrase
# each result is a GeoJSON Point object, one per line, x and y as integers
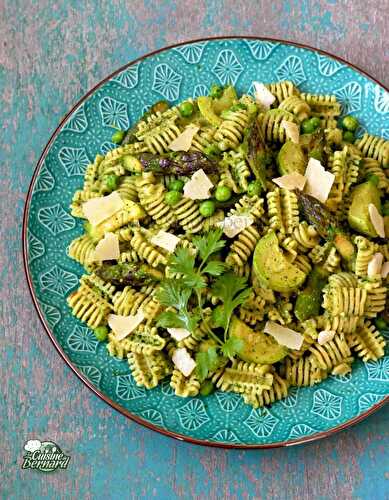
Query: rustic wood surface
{"type": "Point", "coordinates": [51, 53]}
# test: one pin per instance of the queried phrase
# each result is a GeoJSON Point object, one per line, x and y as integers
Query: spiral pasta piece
{"type": "Point", "coordinates": [243, 247]}
{"type": "Point", "coordinates": [365, 251]}
{"type": "Point", "coordinates": [279, 390]}
{"type": "Point", "coordinates": [368, 343]}
{"type": "Point", "coordinates": [330, 354]}
{"type": "Point", "coordinates": [127, 188]}
{"type": "Point", "coordinates": [306, 237]}
{"type": "Point", "coordinates": [297, 106]}
{"type": "Point", "coordinates": [244, 377]}
{"type": "Point", "coordinates": [152, 198]}
{"type": "Point", "coordinates": [282, 90]}
{"type": "Point", "coordinates": [230, 132]}
{"type": "Point", "coordinates": [373, 167]}
{"type": "Point", "coordinates": [148, 369]}
{"type": "Point", "coordinates": [302, 373]}
{"type": "Point", "coordinates": [184, 386]}
{"type": "Point", "coordinates": [374, 147]}
{"type": "Point", "coordinates": [188, 215]}
{"type": "Point", "coordinates": [271, 124]}
{"type": "Point", "coordinates": [325, 107]}
{"type": "Point", "coordinates": [283, 210]}
{"type": "Point", "coordinates": [82, 250]}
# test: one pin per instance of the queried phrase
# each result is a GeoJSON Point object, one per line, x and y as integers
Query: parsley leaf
{"type": "Point", "coordinates": [209, 243]}
{"type": "Point", "coordinates": [227, 288]}
{"type": "Point", "coordinates": [214, 268]}
{"type": "Point", "coordinates": [232, 346]}
{"type": "Point", "coordinates": [207, 362]}
{"type": "Point", "coordinates": [183, 262]}
{"type": "Point", "coordinates": [172, 293]}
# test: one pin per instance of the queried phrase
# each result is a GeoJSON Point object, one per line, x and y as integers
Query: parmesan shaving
{"type": "Point", "coordinates": [98, 209]}
{"type": "Point", "coordinates": [184, 363]}
{"type": "Point", "coordinates": [124, 325]}
{"type": "Point", "coordinates": [107, 248]}
{"type": "Point", "coordinates": [325, 336]}
{"type": "Point", "coordinates": [284, 336]}
{"type": "Point", "coordinates": [377, 220]}
{"type": "Point", "coordinates": [319, 181]}
{"type": "Point", "coordinates": [234, 224]}
{"type": "Point", "coordinates": [165, 240]}
{"type": "Point", "coordinates": [291, 181]}
{"type": "Point", "coordinates": [292, 131]}
{"type": "Point", "coordinates": [198, 187]}
{"type": "Point", "coordinates": [385, 269]}
{"type": "Point", "coordinates": [374, 266]}
{"type": "Point", "coordinates": [178, 333]}
{"type": "Point", "coordinates": [262, 95]}
{"type": "Point", "coordinates": [184, 140]}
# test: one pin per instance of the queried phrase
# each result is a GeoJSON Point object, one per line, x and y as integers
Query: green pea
{"type": "Point", "coordinates": [176, 185]}
{"type": "Point", "coordinates": [212, 150]}
{"type": "Point", "coordinates": [186, 108]}
{"type": "Point", "coordinates": [207, 208]}
{"type": "Point", "coordinates": [380, 323]}
{"type": "Point", "coordinates": [348, 136]}
{"type": "Point", "coordinates": [385, 208]}
{"type": "Point", "coordinates": [216, 91]}
{"type": "Point", "coordinates": [207, 388]}
{"type": "Point", "coordinates": [254, 188]}
{"type": "Point", "coordinates": [111, 182]}
{"type": "Point", "coordinates": [118, 136]}
{"type": "Point", "coordinates": [350, 123]}
{"type": "Point", "coordinates": [223, 193]}
{"type": "Point", "coordinates": [172, 197]}
{"type": "Point", "coordinates": [101, 333]}
{"type": "Point", "coordinates": [238, 106]}
{"type": "Point", "coordinates": [309, 126]}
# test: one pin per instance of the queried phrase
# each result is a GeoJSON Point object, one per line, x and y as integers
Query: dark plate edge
{"type": "Point", "coordinates": [116, 406]}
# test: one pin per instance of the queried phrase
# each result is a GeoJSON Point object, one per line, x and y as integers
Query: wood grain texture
{"type": "Point", "coordinates": [51, 53]}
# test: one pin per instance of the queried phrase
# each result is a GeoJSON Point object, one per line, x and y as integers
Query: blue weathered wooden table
{"type": "Point", "coordinates": [51, 53]}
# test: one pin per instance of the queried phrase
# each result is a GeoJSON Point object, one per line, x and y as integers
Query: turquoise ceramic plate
{"type": "Point", "coordinates": [174, 74]}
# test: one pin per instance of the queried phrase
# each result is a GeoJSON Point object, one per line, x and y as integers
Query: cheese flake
{"type": "Point", "coordinates": [325, 336]}
{"type": "Point", "coordinates": [98, 209]}
{"type": "Point", "coordinates": [107, 248]}
{"type": "Point", "coordinates": [284, 336]}
{"type": "Point", "coordinates": [184, 140]}
{"type": "Point", "coordinates": [319, 181]}
{"type": "Point", "coordinates": [165, 240]}
{"type": "Point", "coordinates": [183, 361]}
{"type": "Point", "coordinates": [292, 131]}
{"type": "Point", "coordinates": [124, 325]}
{"type": "Point", "coordinates": [263, 95]}
{"type": "Point", "coordinates": [385, 269]}
{"type": "Point", "coordinates": [374, 267]}
{"type": "Point", "coordinates": [377, 220]}
{"type": "Point", "coordinates": [291, 181]}
{"type": "Point", "coordinates": [178, 333]}
{"type": "Point", "coordinates": [234, 224]}
{"type": "Point", "coordinates": [198, 187]}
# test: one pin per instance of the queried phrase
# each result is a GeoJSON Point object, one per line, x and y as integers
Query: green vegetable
{"type": "Point", "coordinates": [223, 193]}
{"type": "Point", "coordinates": [225, 101]}
{"type": "Point", "coordinates": [272, 269]}
{"type": "Point", "coordinates": [205, 105]}
{"type": "Point", "coordinates": [254, 188]}
{"type": "Point", "coordinates": [350, 123]}
{"type": "Point", "coordinates": [215, 91]}
{"type": "Point", "coordinates": [344, 246]}
{"type": "Point", "coordinates": [233, 291]}
{"type": "Point", "coordinates": [207, 388]}
{"type": "Point", "coordinates": [207, 208]}
{"type": "Point", "coordinates": [101, 333]}
{"type": "Point", "coordinates": [128, 273]}
{"type": "Point", "coordinates": [118, 136]}
{"type": "Point", "coordinates": [380, 324]}
{"type": "Point", "coordinates": [385, 208]}
{"type": "Point", "coordinates": [309, 300]}
{"type": "Point", "coordinates": [132, 164]}
{"type": "Point", "coordinates": [317, 154]}
{"type": "Point", "coordinates": [310, 125]}
{"type": "Point", "coordinates": [358, 214]}
{"type": "Point", "coordinates": [374, 179]}
{"type": "Point", "coordinates": [110, 183]}
{"type": "Point", "coordinates": [348, 137]}
{"type": "Point", "coordinates": [207, 361]}
{"type": "Point", "coordinates": [172, 197]}
{"type": "Point", "coordinates": [186, 108]}
{"type": "Point", "coordinates": [256, 152]}
{"type": "Point", "coordinates": [257, 347]}
{"type": "Point", "coordinates": [212, 150]}
{"type": "Point", "coordinates": [291, 158]}
{"type": "Point", "coordinates": [176, 185]}
{"type": "Point", "coordinates": [315, 212]}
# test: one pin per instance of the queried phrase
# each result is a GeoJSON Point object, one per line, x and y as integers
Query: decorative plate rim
{"type": "Point", "coordinates": [106, 399]}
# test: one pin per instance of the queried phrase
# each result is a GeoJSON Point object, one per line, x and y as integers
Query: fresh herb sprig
{"type": "Point", "coordinates": [179, 295]}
